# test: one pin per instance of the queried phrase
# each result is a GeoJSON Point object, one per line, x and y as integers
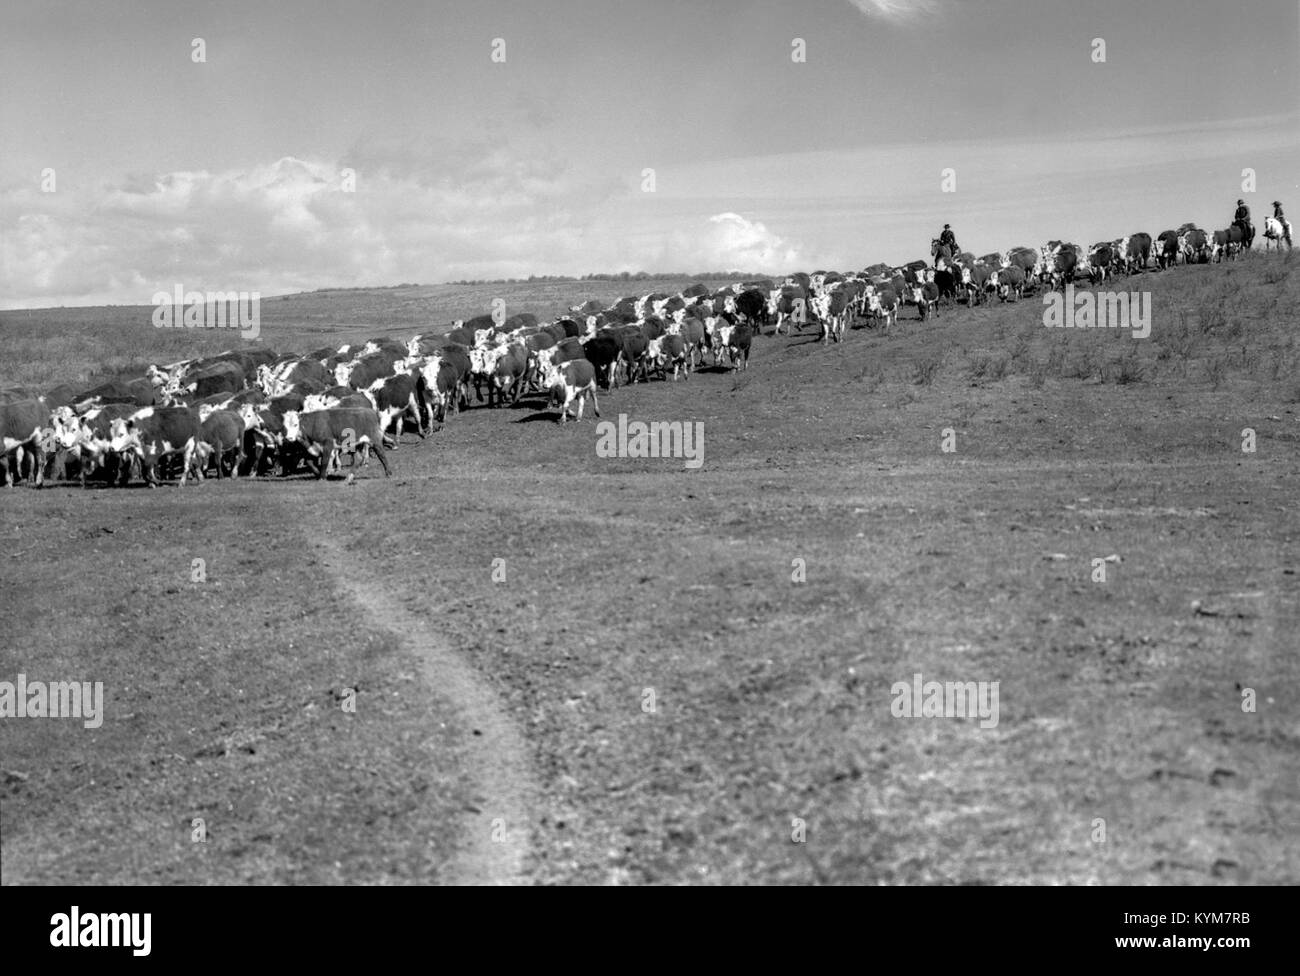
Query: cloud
{"type": "Point", "coordinates": [730, 241]}
{"type": "Point", "coordinates": [483, 211]}
{"type": "Point", "coordinates": [897, 11]}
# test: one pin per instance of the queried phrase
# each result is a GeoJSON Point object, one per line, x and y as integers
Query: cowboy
{"type": "Point", "coordinates": [1242, 219]}
{"type": "Point", "coordinates": [1281, 219]}
{"type": "Point", "coordinates": [948, 237]}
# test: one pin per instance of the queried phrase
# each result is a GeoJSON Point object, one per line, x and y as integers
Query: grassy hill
{"type": "Point", "coordinates": [1121, 701]}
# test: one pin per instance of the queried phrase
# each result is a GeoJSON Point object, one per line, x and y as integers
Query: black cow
{"type": "Point", "coordinates": [23, 426]}
{"type": "Point", "coordinates": [752, 305]}
{"type": "Point", "coordinates": [602, 351]}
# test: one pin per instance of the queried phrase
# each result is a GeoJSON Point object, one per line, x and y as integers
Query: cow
{"type": "Point", "coordinates": [394, 399]}
{"type": "Point", "coordinates": [360, 373]}
{"type": "Point", "coordinates": [946, 282]}
{"type": "Point", "coordinates": [926, 296]}
{"type": "Point", "coordinates": [141, 392]}
{"type": "Point", "coordinates": [154, 433]}
{"type": "Point", "coordinates": [832, 308]}
{"type": "Point", "coordinates": [789, 305]}
{"type": "Point", "coordinates": [220, 434]}
{"type": "Point", "coordinates": [222, 376]}
{"type": "Point", "coordinates": [668, 350]}
{"type": "Point", "coordinates": [632, 349]}
{"type": "Point", "coordinates": [1101, 259]}
{"type": "Point", "coordinates": [88, 437]}
{"type": "Point", "coordinates": [1226, 243]}
{"type": "Point", "coordinates": [567, 382]}
{"type": "Point", "coordinates": [278, 379]}
{"type": "Point", "coordinates": [25, 426]}
{"type": "Point", "coordinates": [883, 304]}
{"type": "Point", "coordinates": [339, 396]}
{"type": "Point", "coordinates": [752, 306]}
{"type": "Point", "coordinates": [327, 433]}
{"type": "Point", "coordinates": [696, 337]}
{"type": "Point", "coordinates": [1166, 249]}
{"type": "Point", "coordinates": [1008, 281]}
{"type": "Point", "coordinates": [505, 369]}
{"type": "Point", "coordinates": [1195, 244]}
{"type": "Point", "coordinates": [442, 385]}
{"type": "Point", "coordinates": [602, 351]}
{"type": "Point", "coordinates": [1136, 251]}
{"type": "Point", "coordinates": [734, 341]}
{"type": "Point", "coordinates": [974, 282]}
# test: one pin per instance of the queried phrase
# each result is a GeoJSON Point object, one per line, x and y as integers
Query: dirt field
{"type": "Point", "coordinates": [648, 696]}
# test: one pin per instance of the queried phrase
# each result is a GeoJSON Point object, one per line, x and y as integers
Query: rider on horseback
{"type": "Point", "coordinates": [949, 238]}
{"type": "Point", "coordinates": [1281, 219]}
{"type": "Point", "coordinates": [1242, 219]}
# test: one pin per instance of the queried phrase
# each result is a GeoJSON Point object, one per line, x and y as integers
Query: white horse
{"type": "Point", "coordinates": [1277, 231]}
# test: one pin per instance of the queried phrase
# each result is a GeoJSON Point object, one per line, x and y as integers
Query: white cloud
{"type": "Point", "coordinates": [898, 11]}
{"type": "Point", "coordinates": [288, 225]}
{"type": "Point", "coordinates": [731, 241]}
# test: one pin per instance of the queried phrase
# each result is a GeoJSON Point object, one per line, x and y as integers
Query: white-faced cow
{"type": "Point", "coordinates": [327, 433]}
{"type": "Point", "coordinates": [154, 433]}
{"type": "Point", "coordinates": [569, 382]}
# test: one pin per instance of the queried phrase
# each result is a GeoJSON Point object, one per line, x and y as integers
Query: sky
{"type": "Point", "coordinates": [341, 144]}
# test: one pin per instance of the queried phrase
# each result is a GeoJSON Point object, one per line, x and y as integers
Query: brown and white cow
{"type": "Point", "coordinates": [567, 382]}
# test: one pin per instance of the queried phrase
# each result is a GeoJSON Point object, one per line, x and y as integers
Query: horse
{"type": "Point", "coordinates": [940, 252]}
{"type": "Point", "coordinates": [1277, 231]}
{"type": "Point", "coordinates": [1247, 233]}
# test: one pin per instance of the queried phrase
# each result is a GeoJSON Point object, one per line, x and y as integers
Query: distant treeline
{"type": "Point", "coordinates": [542, 279]}
{"type": "Point", "coordinates": [618, 276]}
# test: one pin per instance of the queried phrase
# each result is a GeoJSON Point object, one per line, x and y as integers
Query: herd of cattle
{"type": "Point", "coordinates": [255, 412]}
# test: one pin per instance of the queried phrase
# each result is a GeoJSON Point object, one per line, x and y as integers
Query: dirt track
{"type": "Point", "coordinates": [1121, 701]}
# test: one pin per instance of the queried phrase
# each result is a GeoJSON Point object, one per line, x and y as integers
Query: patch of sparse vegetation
{"type": "Point", "coordinates": [1037, 374]}
{"type": "Point", "coordinates": [871, 375]}
{"type": "Point", "coordinates": [1216, 371]}
{"type": "Point", "coordinates": [926, 368]}
{"type": "Point", "coordinates": [1126, 368]}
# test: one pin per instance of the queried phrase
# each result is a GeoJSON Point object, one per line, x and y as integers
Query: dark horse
{"type": "Point", "coordinates": [940, 252]}
{"type": "Point", "coordinates": [1247, 233]}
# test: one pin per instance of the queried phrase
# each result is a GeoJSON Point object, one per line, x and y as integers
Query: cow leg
{"type": "Point", "coordinates": [38, 462]}
{"type": "Point", "coordinates": [382, 457]}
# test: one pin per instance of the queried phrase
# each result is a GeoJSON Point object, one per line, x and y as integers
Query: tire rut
{"type": "Point", "coordinates": [496, 835]}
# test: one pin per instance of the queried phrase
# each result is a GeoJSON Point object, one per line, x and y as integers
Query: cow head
{"type": "Point", "coordinates": [123, 435]}
{"type": "Point", "coordinates": [343, 372]}
{"type": "Point", "coordinates": [65, 427]}
{"type": "Point", "coordinates": [292, 425]}
{"type": "Point", "coordinates": [430, 372]}
{"type": "Point", "coordinates": [249, 415]}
